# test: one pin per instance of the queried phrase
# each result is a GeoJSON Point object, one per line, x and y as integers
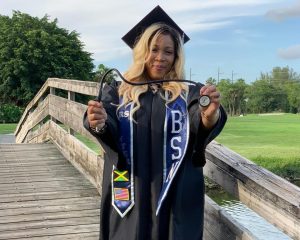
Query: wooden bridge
{"type": "Point", "coordinates": [50, 185]}
{"type": "Point", "coordinates": [42, 196]}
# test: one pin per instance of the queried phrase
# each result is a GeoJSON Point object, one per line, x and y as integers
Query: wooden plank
{"type": "Point", "coordinates": [39, 165]}
{"type": "Point", "coordinates": [78, 236]}
{"type": "Point", "coordinates": [85, 160]}
{"type": "Point", "coordinates": [52, 202]}
{"type": "Point", "coordinates": [49, 209]}
{"type": "Point", "coordinates": [37, 169]}
{"type": "Point", "coordinates": [58, 172]}
{"type": "Point", "coordinates": [27, 179]}
{"type": "Point", "coordinates": [43, 190]}
{"type": "Point", "coordinates": [34, 162]}
{"type": "Point", "coordinates": [27, 147]}
{"type": "Point", "coordinates": [47, 195]}
{"type": "Point", "coordinates": [29, 233]}
{"type": "Point", "coordinates": [42, 185]}
{"type": "Point", "coordinates": [19, 226]}
{"type": "Point", "coordinates": [70, 113]}
{"type": "Point", "coordinates": [33, 155]}
{"type": "Point", "coordinates": [50, 216]}
{"type": "Point", "coordinates": [39, 114]}
{"type": "Point", "coordinates": [83, 87]}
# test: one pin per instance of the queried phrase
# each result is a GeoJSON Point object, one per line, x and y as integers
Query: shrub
{"type": "Point", "coordinates": [10, 113]}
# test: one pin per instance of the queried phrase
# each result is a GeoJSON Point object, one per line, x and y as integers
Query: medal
{"type": "Point", "coordinates": [204, 100]}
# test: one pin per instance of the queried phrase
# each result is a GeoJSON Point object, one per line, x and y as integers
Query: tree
{"type": "Point", "coordinates": [224, 88]}
{"type": "Point", "coordinates": [293, 96]}
{"type": "Point", "coordinates": [32, 50]}
{"type": "Point", "coordinates": [102, 69]}
{"type": "Point", "coordinates": [239, 88]}
{"type": "Point", "coordinates": [211, 81]}
{"type": "Point", "coordinates": [263, 97]}
{"type": "Point", "coordinates": [233, 98]}
{"type": "Point", "coordinates": [284, 82]}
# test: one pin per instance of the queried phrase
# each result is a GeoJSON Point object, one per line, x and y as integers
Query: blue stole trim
{"type": "Point", "coordinates": [176, 136]}
{"type": "Point", "coordinates": [123, 181]}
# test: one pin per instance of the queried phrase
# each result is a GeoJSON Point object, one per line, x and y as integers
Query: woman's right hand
{"type": "Point", "coordinates": [96, 114]}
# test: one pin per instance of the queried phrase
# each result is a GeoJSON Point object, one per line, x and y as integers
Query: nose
{"type": "Point", "coordinates": [160, 56]}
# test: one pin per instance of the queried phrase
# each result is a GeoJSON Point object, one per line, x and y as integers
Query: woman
{"type": "Point", "coordinates": [154, 189]}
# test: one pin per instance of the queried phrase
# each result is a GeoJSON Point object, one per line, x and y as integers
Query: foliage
{"type": "Point", "coordinates": [211, 81]}
{"type": "Point", "coordinates": [102, 69]}
{"type": "Point", "coordinates": [10, 113]}
{"type": "Point", "coordinates": [293, 96]}
{"type": "Point", "coordinates": [264, 97]}
{"type": "Point", "coordinates": [32, 50]}
{"type": "Point", "coordinates": [233, 97]}
{"type": "Point", "coordinates": [277, 91]}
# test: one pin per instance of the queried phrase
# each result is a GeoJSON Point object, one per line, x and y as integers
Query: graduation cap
{"type": "Point", "coordinates": [157, 15]}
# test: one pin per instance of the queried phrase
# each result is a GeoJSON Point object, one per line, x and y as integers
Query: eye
{"type": "Point", "coordinates": [169, 52]}
{"type": "Point", "coordinates": [154, 50]}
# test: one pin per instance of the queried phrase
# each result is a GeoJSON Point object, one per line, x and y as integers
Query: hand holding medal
{"type": "Point", "coordinates": [209, 102]}
{"type": "Point", "coordinates": [97, 116]}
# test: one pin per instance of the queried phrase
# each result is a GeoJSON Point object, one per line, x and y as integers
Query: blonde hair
{"type": "Point", "coordinates": [137, 71]}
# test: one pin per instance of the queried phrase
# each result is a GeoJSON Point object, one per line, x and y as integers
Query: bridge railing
{"type": "Point", "coordinates": [275, 199]}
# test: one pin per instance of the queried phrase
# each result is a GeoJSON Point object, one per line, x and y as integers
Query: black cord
{"type": "Point", "coordinates": [137, 83]}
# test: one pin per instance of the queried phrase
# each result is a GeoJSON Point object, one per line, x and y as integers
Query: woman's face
{"type": "Point", "coordinates": [161, 57]}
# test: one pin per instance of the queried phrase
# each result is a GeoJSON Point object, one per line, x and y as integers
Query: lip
{"type": "Point", "coordinates": [159, 67]}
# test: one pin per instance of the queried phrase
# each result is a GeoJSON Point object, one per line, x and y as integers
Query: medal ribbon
{"type": "Point", "coordinates": [122, 181]}
{"type": "Point", "coordinates": [176, 136]}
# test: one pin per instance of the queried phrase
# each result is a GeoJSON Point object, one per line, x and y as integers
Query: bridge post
{"type": "Point", "coordinates": [52, 92]}
{"type": "Point", "coordinates": [71, 97]}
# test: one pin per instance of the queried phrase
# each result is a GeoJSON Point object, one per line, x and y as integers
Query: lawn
{"type": "Point", "coordinates": [7, 128]}
{"type": "Point", "coordinates": [271, 141]}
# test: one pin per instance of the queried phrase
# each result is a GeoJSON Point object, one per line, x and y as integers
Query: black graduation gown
{"type": "Point", "coordinates": [181, 214]}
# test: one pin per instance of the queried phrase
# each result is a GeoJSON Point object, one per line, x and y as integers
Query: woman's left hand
{"type": "Point", "coordinates": [210, 114]}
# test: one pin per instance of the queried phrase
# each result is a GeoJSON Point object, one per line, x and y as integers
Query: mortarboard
{"type": "Point", "coordinates": [155, 16]}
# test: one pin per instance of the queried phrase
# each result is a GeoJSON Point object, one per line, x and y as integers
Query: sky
{"type": "Point", "coordinates": [229, 38]}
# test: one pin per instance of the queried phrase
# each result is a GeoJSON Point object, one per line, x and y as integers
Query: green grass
{"type": "Point", "coordinates": [271, 141]}
{"type": "Point", "coordinates": [89, 143]}
{"type": "Point", "coordinates": [86, 141]}
{"type": "Point", "coordinates": [8, 128]}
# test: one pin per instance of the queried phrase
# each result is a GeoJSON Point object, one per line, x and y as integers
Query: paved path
{"type": "Point", "coordinates": [7, 138]}
{"type": "Point", "coordinates": [42, 196]}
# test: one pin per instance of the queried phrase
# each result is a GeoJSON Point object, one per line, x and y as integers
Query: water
{"type": "Point", "coordinates": [259, 227]}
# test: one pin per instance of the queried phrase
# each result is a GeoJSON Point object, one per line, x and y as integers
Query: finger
{"type": "Point", "coordinates": [207, 90]}
{"type": "Point", "coordinates": [97, 116]}
{"type": "Point", "coordinates": [210, 90]}
{"type": "Point", "coordinates": [203, 89]}
{"type": "Point", "coordinates": [95, 119]}
{"type": "Point", "coordinates": [94, 107]}
{"type": "Point", "coordinates": [215, 95]}
{"type": "Point", "coordinates": [95, 110]}
{"type": "Point", "coordinates": [98, 123]}
{"type": "Point", "coordinates": [94, 103]}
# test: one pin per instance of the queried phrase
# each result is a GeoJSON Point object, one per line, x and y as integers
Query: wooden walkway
{"type": "Point", "coordinates": [42, 196]}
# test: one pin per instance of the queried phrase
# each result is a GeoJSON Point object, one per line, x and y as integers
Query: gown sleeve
{"type": "Point", "coordinates": [110, 99]}
{"type": "Point", "coordinates": [200, 135]}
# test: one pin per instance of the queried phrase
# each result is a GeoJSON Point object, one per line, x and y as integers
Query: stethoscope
{"type": "Point", "coordinates": [204, 100]}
